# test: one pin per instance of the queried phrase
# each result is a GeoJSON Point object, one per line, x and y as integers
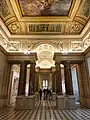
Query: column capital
{"type": "Point", "coordinates": [53, 69]}
{"type": "Point", "coordinates": [37, 69]}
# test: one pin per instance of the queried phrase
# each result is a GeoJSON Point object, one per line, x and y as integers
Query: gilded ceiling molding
{"type": "Point", "coordinates": [13, 15]}
{"type": "Point", "coordinates": [71, 29]}
{"type": "Point", "coordinates": [15, 28]}
{"type": "Point", "coordinates": [21, 46]}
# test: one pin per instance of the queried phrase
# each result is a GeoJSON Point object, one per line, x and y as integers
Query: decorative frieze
{"type": "Point", "coordinates": [45, 27]}
{"type": "Point", "coordinates": [3, 42]}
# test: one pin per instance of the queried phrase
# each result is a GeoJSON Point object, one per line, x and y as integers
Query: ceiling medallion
{"type": "Point", "coordinates": [14, 27]}
{"type": "Point", "coordinates": [75, 27]}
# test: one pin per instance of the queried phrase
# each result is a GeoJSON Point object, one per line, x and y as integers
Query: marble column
{"type": "Point", "coordinates": [32, 79]}
{"type": "Point", "coordinates": [5, 70]}
{"type": "Point", "coordinates": [68, 78]}
{"type": "Point", "coordinates": [22, 79]}
{"type": "Point", "coordinates": [37, 79]}
{"type": "Point", "coordinates": [53, 79]}
{"type": "Point", "coordinates": [58, 79]}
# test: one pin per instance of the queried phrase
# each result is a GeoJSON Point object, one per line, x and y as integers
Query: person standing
{"type": "Point", "coordinates": [40, 94]}
{"type": "Point", "coordinates": [44, 91]}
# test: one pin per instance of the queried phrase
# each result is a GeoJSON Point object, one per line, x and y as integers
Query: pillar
{"type": "Point", "coordinates": [32, 79]}
{"type": "Point", "coordinates": [68, 78]}
{"type": "Point", "coordinates": [22, 79]}
{"type": "Point", "coordinates": [37, 79]}
{"type": "Point", "coordinates": [58, 79]}
{"type": "Point", "coordinates": [5, 70]}
{"type": "Point", "coordinates": [53, 79]}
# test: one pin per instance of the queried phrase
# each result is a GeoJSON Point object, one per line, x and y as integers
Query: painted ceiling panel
{"type": "Point", "coordinates": [86, 8]}
{"type": "Point", "coordinates": [19, 14]}
{"type": "Point", "coordinates": [45, 7]}
{"type": "Point", "coordinates": [4, 9]}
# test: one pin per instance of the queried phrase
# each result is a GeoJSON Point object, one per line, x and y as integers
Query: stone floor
{"type": "Point", "coordinates": [44, 110]}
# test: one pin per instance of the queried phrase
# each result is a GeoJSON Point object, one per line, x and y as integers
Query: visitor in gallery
{"type": "Point", "coordinates": [40, 94]}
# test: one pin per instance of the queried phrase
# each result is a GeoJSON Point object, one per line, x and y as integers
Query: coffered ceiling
{"type": "Point", "coordinates": [28, 17]}
{"type": "Point", "coordinates": [45, 27]}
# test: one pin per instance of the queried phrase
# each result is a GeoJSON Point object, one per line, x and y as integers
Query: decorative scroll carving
{"type": "Point", "coordinates": [76, 27]}
{"type": "Point", "coordinates": [86, 43]}
{"type": "Point", "coordinates": [13, 46]}
{"type": "Point", "coordinates": [60, 46]}
{"type": "Point", "coordinates": [3, 42]}
{"type": "Point", "coordinates": [77, 46]}
{"type": "Point", "coordinates": [14, 27]}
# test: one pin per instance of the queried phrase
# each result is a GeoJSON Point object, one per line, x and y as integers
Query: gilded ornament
{"type": "Point", "coordinates": [14, 27]}
{"type": "Point", "coordinates": [75, 28]}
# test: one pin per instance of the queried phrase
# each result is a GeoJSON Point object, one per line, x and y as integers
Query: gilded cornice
{"type": "Point", "coordinates": [73, 24]}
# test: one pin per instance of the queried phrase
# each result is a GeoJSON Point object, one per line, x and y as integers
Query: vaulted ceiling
{"type": "Point", "coordinates": [65, 17]}
{"type": "Point", "coordinates": [45, 27]}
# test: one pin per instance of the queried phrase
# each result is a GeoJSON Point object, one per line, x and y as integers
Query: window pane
{"type": "Point", "coordinates": [43, 83]}
{"type": "Point", "coordinates": [46, 83]}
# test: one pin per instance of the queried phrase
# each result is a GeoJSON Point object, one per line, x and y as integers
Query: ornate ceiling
{"type": "Point", "coordinates": [28, 17]}
{"type": "Point", "coordinates": [45, 27]}
{"type": "Point", "coordinates": [44, 7]}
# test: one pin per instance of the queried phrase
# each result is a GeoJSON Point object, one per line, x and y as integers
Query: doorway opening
{"type": "Point", "coordinates": [45, 84]}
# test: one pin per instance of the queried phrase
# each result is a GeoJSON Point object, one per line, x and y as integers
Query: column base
{"type": "Point", "coordinates": [65, 102]}
{"type": "Point", "coordinates": [53, 96]}
{"type": "Point", "coordinates": [60, 102]}
{"type": "Point", "coordinates": [25, 102]}
{"type": "Point", "coordinates": [3, 102]}
{"type": "Point", "coordinates": [70, 102]}
{"type": "Point", "coordinates": [12, 100]}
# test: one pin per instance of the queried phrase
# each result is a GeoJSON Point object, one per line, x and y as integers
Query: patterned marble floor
{"type": "Point", "coordinates": [44, 110]}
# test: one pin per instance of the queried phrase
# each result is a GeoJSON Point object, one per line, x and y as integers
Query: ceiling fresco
{"type": "Point", "coordinates": [45, 7]}
{"type": "Point", "coordinates": [18, 16]}
{"type": "Point", "coordinates": [86, 8]}
{"type": "Point", "coordinates": [4, 11]}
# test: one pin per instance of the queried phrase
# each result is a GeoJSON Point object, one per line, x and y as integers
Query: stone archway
{"type": "Point", "coordinates": [45, 54]}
